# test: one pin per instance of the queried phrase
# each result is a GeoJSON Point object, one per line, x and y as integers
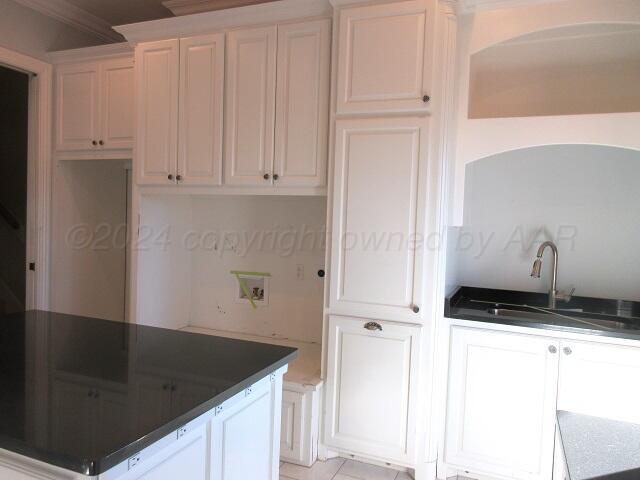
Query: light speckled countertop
{"type": "Point", "coordinates": [598, 448]}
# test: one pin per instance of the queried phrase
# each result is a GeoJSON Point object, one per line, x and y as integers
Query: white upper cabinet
{"type": "Point", "coordinates": [381, 61]}
{"type": "Point", "coordinates": [201, 109]}
{"type": "Point", "coordinates": [117, 106]}
{"type": "Point", "coordinates": [250, 106]}
{"type": "Point", "coordinates": [378, 210]}
{"type": "Point", "coordinates": [501, 404]}
{"type": "Point", "coordinates": [372, 373]}
{"type": "Point", "coordinates": [77, 106]}
{"type": "Point", "coordinates": [94, 106]}
{"type": "Point", "coordinates": [302, 104]}
{"type": "Point", "coordinates": [595, 380]}
{"type": "Point", "coordinates": [157, 72]}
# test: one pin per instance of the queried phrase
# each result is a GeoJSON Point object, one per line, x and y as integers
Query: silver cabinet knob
{"type": "Point", "coordinates": [415, 308]}
{"type": "Point", "coordinates": [553, 349]}
{"type": "Point", "coordinates": [373, 326]}
{"type": "Point", "coordinates": [567, 351]}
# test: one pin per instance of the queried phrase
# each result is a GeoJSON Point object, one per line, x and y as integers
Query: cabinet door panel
{"type": "Point", "coordinates": [371, 403]}
{"type": "Point", "coordinates": [381, 58]}
{"type": "Point", "coordinates": [378, 197]}
{"type": "Point", "coordinates": [241, 440]}
{"type": "Point", "coordinates": [77, 107]}
{"type": "Point", "coordinates": [600, 380]}
{"type": "Point", "coordinates": [250, 106]}
{"type": "Point", "coordinates": [302, 103]}
{"type": "Point", "coordinates": [201, 108]}
{"type": "Point", "coordinates": [117, 103]}
{"type": "Point", "coordinates": [157, 101]}
{"type": "Point", "coordinates": [501, 404]}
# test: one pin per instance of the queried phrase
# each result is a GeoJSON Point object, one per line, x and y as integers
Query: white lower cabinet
{"type": "Point", "coordinates": [300, 424]}
{"type": "Point", "coordinates": [504, 389]}
{"type": "Point", "coordinates": [600, 380]}
{"type": "Point", "coordinates": [243, 433]}
{"type": "Point", "coordinates": [372, 373]}
{"type": "Point", "coordinates": [501, 403]}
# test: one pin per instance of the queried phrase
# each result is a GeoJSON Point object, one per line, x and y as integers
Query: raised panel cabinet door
{"type": "Point", "coordinates": [242, 440]}
{"type": "Point", "coordinates": [290, 429]}
{"type": "Point", "coordinates": [77, 106]}
{"type": "Point", "coordinates": [157, 78]}
{"type": "Point", "coordinates": [116, 97]}
{"type": "Point", "coordinates": [250, 106]}
{"type": "Point", "coordinates": [381, 59]}
{"type": "Point", "coordinates": [201, 109]}
{"type": "Point", "coordinates": [600, 380]}
{"type": "Point", "coordinates": [378, 209]}
{"type": "Point", "coordinates": [371, 395]}
{"type": "Point", "coordinates": [302, 103]}
{"type": "Point", "coordinates": [501, 404]}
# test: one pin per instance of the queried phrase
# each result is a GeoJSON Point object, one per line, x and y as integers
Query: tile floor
{"type": "Point", "coordinates": [340, 469]}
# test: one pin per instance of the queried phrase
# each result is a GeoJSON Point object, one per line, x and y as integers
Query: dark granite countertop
{"type": "Point", "coordinates": [598, 448]}
{"type": "Point", "coordinates": [85, 394]}
{"type": "Point", "coordinates": [595, 316]}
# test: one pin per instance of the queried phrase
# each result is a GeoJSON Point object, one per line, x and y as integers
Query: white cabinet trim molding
{"type": "Point", "coordinates": [202, 23]}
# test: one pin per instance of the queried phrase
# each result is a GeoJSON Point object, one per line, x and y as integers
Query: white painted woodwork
{"type": "Point", "coordinates": [117, 103]}
{"type": "Point", "coordinates": [201, 109]}
{"type": "Point", "coordinates": [501, 406]}
{"type": "Point", "coordinates": [378, 209]}
{"type": "Point", "coordinates": [302, 103]}
{"type": "Point", "coordinates": [290, 434]}
{"type": "Point", "coordinates": [599, 380]}
{"type": "Point", "coordinates": [77, 106]}
{"type": "Point", "coordinates": [381, 59]}
{"type": "Point", "coordinates": [301, 396]}
{"type": "Point", "coordinates": [237, 454]}
{"type": "Point", "coordinates": [157, 79]}
{"type": "Point", "coordinates": [250, 105]}
{"type": "Point", "coordinates": [371, 398]}
{"type": "Point", "coordinates": [185, 458]}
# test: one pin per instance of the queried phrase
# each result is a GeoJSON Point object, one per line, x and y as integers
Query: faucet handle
{"type": "Point", "coordinates": [565, 296]}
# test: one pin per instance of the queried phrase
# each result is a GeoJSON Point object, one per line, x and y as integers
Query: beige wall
{"type": "Point", "coordinates": [27, 31]}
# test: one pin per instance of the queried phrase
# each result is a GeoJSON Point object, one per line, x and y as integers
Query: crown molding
{"type": "Point", "coordinates": [73, 16]}
{"type": "Point", "coordinates": [472, 6]}
{"type": "Point", "coordinates": [189, 7]}
{"type": "Point", "coordinates": [111, 50]}
{"type": "Point", "coordinates": [260, 14]}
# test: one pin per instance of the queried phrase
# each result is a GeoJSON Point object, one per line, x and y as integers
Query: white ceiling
{"type": "Point", "coordinates": [120, 12]}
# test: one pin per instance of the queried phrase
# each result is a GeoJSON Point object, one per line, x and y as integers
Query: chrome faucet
{"type": "Point", "coordinates": [554, 294]}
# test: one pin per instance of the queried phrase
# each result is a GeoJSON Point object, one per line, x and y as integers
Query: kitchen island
{"type": "Point", "coordinates": [88, 398]}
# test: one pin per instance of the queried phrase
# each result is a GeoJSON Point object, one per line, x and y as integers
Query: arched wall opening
{"type": "Point", "coordinates": [586, 198]}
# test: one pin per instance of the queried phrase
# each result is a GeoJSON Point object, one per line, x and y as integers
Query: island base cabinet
{"type": "Point", "coordinates": [501, 404]}
{"type": "Point", "coordinates": [237, 440]}
{"type": "Point", "coordinates": [242, 436]}
{"type": "Point", "coordinates": [371, 396]}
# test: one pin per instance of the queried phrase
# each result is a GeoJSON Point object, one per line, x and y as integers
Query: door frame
{"type": "Point", "coordinates": [38, 174]}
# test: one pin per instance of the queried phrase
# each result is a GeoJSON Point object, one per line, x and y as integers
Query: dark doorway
{"type": "Point", "coordinates": [14, 126]}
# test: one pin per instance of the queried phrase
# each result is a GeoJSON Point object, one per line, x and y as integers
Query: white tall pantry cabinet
{"type": "Point", "coordinates": [375, 326]}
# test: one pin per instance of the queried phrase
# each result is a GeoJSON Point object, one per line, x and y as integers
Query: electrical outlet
{"type": "Point", "coordinates": [300, 272]}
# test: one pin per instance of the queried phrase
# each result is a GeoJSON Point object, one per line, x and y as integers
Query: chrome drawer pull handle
{"type": "Point", "coordinates": [373, 326]}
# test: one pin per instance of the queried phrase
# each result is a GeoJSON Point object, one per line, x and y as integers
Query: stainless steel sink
{"type": "Point", "coordinates": [545, 316]}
